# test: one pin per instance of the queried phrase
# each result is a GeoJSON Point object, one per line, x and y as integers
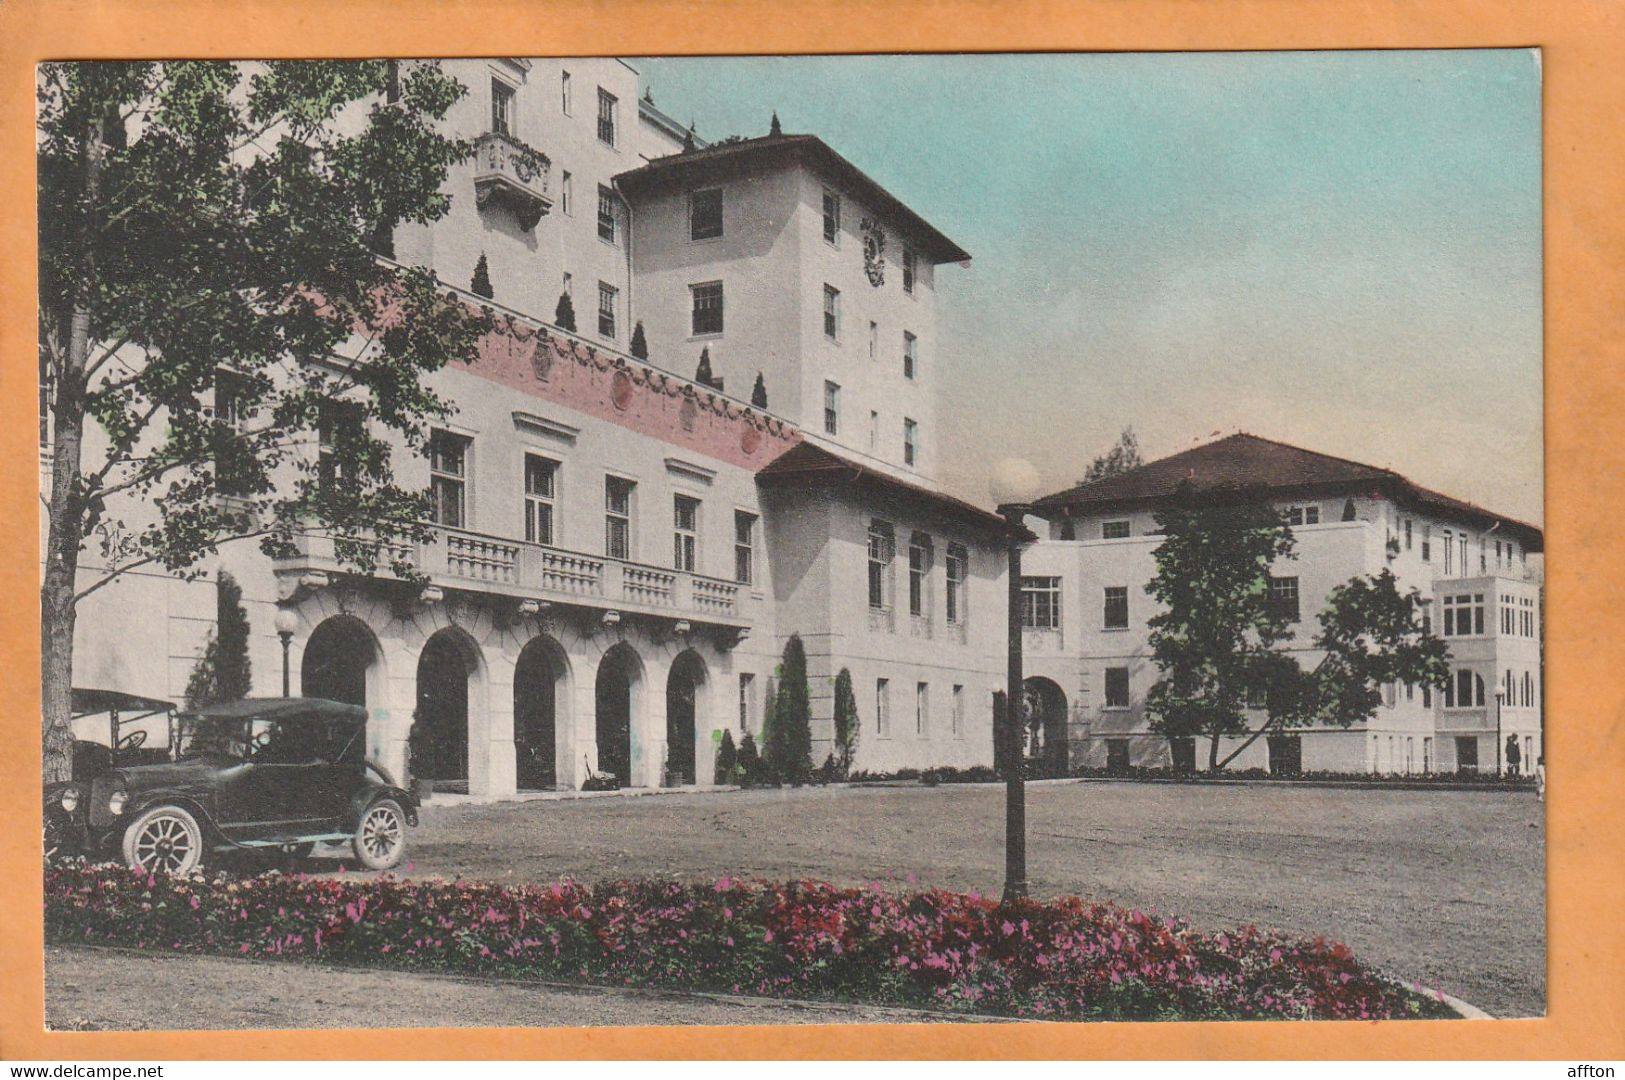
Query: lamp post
{"type": "Point", "coordinates": [286, 623]}
{"type": "Point", "coordinates": [1015, 484]}
{"type": "Point", "coordinates": [1500, 695]}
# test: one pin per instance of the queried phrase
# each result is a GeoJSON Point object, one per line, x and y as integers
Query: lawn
{"type": "Point", "coordinates": [1445, 887]}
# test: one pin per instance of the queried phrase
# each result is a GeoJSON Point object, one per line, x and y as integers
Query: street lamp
{"type": "Point", "coordinates": [286, 623]}
{"type": "Point", "coordinates": [1500, 695]}
{"type": "Point", "coordinates": [1014, 486]}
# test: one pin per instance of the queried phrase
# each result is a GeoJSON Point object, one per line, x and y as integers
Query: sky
{"type": "Point", "coordinates": [1339, 250]}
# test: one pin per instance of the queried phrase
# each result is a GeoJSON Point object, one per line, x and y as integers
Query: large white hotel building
{"type": "Point", "coordinates": [622, 550]}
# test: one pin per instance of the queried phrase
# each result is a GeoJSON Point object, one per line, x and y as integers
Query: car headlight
{"type": "Point", "coordinates": [115, 803]}
{"type": "Point", "coordinates": [69, 799]}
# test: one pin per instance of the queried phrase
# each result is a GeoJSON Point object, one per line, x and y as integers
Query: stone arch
{"type": "Point", "coordinates": [343, 661]}
{"type": "Point", "coordinates": [618, 700]}
{"type": "Point", "coordinates": [1045, 710]}
{"type": "Point", "coordinates": [687, 700]}
{"type": "Point", "coordinates": [450, 700]}
{"type": "Point", "coordinates": [541, 714]}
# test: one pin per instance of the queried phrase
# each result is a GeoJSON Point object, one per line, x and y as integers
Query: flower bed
{"type": "Point", "coordinates": [981, 774]}
{"type": "Point", "coordinates": [1065, 959]}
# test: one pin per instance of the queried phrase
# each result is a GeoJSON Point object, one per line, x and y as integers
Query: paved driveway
{"type": "Point", "coordinates": [1442, 886]}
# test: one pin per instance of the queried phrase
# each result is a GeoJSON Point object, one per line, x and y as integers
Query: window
{"type": "Point", "coordinates": [1509, 617]}
{"type": "Point", "coordinates": [564, 92]}
{"type": "Point", "coordinates": [1117, 688]}
{"type": "Point", "coordinates": [1483, 556]}
{"type": "Point", "coordinates": [883, 706]}
{"type": "Point", "coordinates": [1303, 515]}
{"type": "Point", "coordinates": [744, 547]}
{"type": "Point", "coordinates": [874, 338]}
{"type": "Point", "coordinates": [832, 313]}
{"type": "Point", "coordinates": [1526, 617]}
{"type": "Point", "coordinates": [1283, 599]}
{"type": "Point", "coordinates": [606, 116]}
{"type": "Point", "coordinates": [922, 708]}
{"type": "Point", "coordinates": [1427, 754]}
{"type": "Point", "coordinates": [747, 690]}
{"type": "Point", "coordinates": [909, 266]}
{"type": "Point", "coordinates": [338, 433]}
{"type": "Point", "coordinates": [1528, 689]}
{"type": "Point", "coordinates": [957, 719]}
{"type": "Point", "coordinates": [1449, 553]}
{"type": "Point", "coordinates": [874, 431]}
{"type": "Point", "coordinates": [1464, 615]}
{"type": "Point", "coordinates": [606, 311]}
{"type": "Point", "coordinates": [911, 441]}
{"type": "Point", "coordinates": [705, 214]}
{"type": "Point", "coordinates": [1465, 690]}
{"type": "Point", "coordinates": [919, 575]}
{"type": "Point", "coordinates": [618, 517]}
{"type": "Point", "coordinates": [502, 96]}
{"type": "Point", "coordinates": [832, 408]}
{"type": "Point", "coordinates": [541, 475]}
{"type": "Point", "coordinates": [1114, 530]}
{"type": "Point", "coordinates": [1461, 546]}
{"type": "Point", "coordinates": [606, 214]}
{"type": "Point", "coordinates": [448, 478]}
{"type": "Point", "coordinates": [1427, 543]}
{"type": "Point", "coordinates": [956, 566]}
{"type": "Point", "coordinates": [882, 549]}
{"type": "Point", "coordinates": [1509, 688]}
{"type": "Point", "coordinates": [707, 308]}
{"type": "Point", "coordinates": [832, 217]}
{"type": "Point", "coordinates": [566, 192]}
{"type": "Point", "coordinates": [1116, 607]}
{"type": "Point", "coordinates": [1407, 534]}
{"type": "Point", "coordinates": [911, 354]}
{"type": "Point", "coordinates": [685, 531]}
{"type": "Point", "coordinates": [1041, 603]}
{"type": "Point", "coordinates": [232, 411]}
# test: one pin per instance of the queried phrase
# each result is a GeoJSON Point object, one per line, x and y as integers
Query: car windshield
{"type": "Point", "coordinates": [286, 741]}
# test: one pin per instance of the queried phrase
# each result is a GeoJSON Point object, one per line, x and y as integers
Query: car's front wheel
{"type": "Point", "coordinates": [380, 839]}
{"type": "Point", "coordinates": [166, 839]}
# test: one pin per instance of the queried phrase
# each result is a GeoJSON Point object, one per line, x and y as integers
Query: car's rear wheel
{"type": "Point", "coordinates": [164, 839]}
{"type": "Point", "coordinates": [380, 839]}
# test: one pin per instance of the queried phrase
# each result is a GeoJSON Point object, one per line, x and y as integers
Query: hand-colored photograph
{"type": "Point", "coordinates": [887, 539]}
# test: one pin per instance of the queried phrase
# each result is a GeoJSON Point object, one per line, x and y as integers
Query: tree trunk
{"type": "Point", "coordinates": [1213, 753]}
{"type": "Point", "coordinates": [66, 513]}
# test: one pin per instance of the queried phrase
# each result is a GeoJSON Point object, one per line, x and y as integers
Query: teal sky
{"type": "Point", "coordinates": [1339, 249]}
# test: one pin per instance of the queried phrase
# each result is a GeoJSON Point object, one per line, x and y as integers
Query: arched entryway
{"type": "Point", "coordinates": [538, 688]}
{"type": "Point", "coordinates": [684, 685]}
{"type": "Point", "coordinates": [1046, 725]}
{"type": "Point", "coordinates": [439, 740]}
{"type": "Point", "coordinates": [616, 693]}
{"type": "Point", "coordinates": [338, 661]}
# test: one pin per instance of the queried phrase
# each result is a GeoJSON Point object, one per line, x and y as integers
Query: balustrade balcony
{"type": "Point", "coordinates": [507, 171]}
{"type": "Point", "coordinates": [459, 559]}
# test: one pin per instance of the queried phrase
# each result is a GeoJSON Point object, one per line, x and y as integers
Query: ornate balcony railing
{"type": "Point", "coordinates": [508, 171]}
{"type": "Point", "coordinates": [459, 559]}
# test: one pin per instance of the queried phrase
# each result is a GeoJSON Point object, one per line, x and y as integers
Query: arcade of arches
{"type": "Point", "coordinates": [490, 710]}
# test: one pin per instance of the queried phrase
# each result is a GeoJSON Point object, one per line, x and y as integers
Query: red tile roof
{"type": "Point", "coordinates": [1243, 461]}
{"type": "Point", "coordinates": [808, 462]}
{"type": "Point", "coordinates": [745, 156]}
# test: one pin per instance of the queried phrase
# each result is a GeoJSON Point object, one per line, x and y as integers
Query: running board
{"type": "Point", "coordinates": [324, 838]}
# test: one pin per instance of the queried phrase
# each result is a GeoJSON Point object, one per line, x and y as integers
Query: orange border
{"type": "Point", "coordinates": [1585, 251]}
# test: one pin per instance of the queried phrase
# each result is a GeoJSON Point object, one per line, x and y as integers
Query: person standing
{"type": "Point", "coordinates": [1514, 756]}
{"type": "Point", "coordinates": [1540, 778]}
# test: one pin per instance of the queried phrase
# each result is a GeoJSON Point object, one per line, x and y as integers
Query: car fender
{"type": "Point", "coordinates": [366, 796]}
{"type": "Point", "coordinates": [190, 803]}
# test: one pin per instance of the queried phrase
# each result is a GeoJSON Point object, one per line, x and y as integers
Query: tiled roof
{"type": "Point", "coordinates": [809, 462]}
{"type": "Point", "coordinates": [744, 156]}
{"type": "Point", "coordinates": [1243, 461]}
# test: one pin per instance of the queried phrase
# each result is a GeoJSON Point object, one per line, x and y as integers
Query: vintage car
{"type": "Point", "coordinates": [263, 773]}
{"type": "Point", "coordinates": [111, 727]}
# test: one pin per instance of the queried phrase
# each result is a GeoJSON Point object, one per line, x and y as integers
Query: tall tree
{"type": "Point", "coordinates": [1214, 641]}
{"type": "Point", "coordinates": [564, 315]}
{"type": "Point", "coordinates": [758, 393]}
{"type": "Point", "coordinates": [223, 672]}
{"type": "Point", "coordinates": [1123, 456]}
{"type": "Point", "coordinates": [787, 745]}
{"type": "Point", "coordinates": [480, 285]}
{"type": "Point", "coordinates": [208, 291]}
{"type": "Point", "coordinates": [847, 725]}
{"type": "Point", "coordinates": [640, 344]}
